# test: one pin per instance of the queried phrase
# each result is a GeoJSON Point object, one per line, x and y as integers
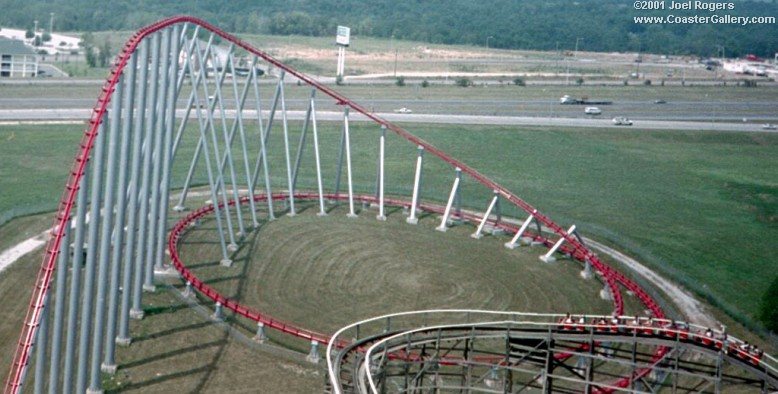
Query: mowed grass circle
{"type": "Point", "coordinates": [322, 273]}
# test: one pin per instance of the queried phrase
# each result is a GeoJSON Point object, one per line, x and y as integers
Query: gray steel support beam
{"type": "Point", "coordinates": [317, 155]}
{"type": "Point", "coordinates": [145, 238]}
{"type": "Point", "coordinates": [40, 349]}
{"type": "Point", "coordinates": [152, 239]}
{"type": "Point", "coordinates": [347, 143]}
{"type": "Point", "coordinates": [301, 143]}
{"type": "Point", "coordinates": [196, 156]}
{"type": "Point", "coordinates": [98, 332]}
{"type": "Point", "coordinates": [213, 188]}
{"type": "Point", "coordinates": [285, 124]}
{"type": "Point", "coordinates": [221, 189]}
{"type": "Point", "coordinates": [339, 167]}
{"type": "Point", "coordinates": [263, 136]}
{"type": "Point", "coordinates": [167, 156]}
{"type": "Point", "coordinates": [109, 362]}
{"type": "Point", "coordinates": [59, 308]}
{"type": "Point", "coordinates": [74, 292]}
{"type": "Point", "coordinates": [150, 98]}
{"type": "Point", "coordinates": [133, 270]}
{"type": "Point", "coordinates": [87, 297]}
{"type": "Point", "coordinates": [242, 132]}
{"type": "Point", "coordinates": [227, 157]}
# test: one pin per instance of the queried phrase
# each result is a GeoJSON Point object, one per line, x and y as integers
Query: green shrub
{"type": "Point", "coordinates": [464, 82]}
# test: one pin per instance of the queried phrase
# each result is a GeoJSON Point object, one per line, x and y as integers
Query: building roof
{"type": "Point", "coordinates": [14, 47]}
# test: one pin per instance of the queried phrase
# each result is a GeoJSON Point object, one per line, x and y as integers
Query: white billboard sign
{"type": "Point", "coordinates": [343, 36]}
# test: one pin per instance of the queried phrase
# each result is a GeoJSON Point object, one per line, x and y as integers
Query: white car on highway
{"type": "Point", "coordinates": [403, 110]}
{"type": "Point", "coordinates": [592, 111]}
{"type": "Point", "coordinates": [622, 121]}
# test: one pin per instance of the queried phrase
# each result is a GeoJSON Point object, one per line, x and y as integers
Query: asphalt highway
{"type": "Point", "coordinates": [76, 114]}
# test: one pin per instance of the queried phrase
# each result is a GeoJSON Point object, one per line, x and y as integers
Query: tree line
{"type": "Point", "coordinates": [603, 25]}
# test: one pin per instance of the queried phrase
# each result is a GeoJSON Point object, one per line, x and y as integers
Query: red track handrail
{"type": "Point", "coordinates": [43, 280]}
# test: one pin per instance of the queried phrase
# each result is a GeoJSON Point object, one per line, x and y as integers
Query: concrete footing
{"type": "Point", "coordinates": [123, 342]}
{"type": "Point", "coordinates": [136, 314]}
{"type": "Point", "coordinates": [166, 271]}
{"type": "Point", "coordinates": [606, 294]}
{"type": "Point", "coordinates": [188, 292]}
{"type": "Point", "coordinates": [511, 245]}
{"type": "Point", "coordinates": [381, 218]}
{"type": "Point", "coordinates": [495, 231]}
{"type": "Point", "coordinates": [586, 274]}
{"type": "Point", "coordinates": [313, 355]}
{"type": "Point", "coordinates": [149, 288]}
{"type": "Point", "coordinates": [442, 229]}
{"type": "Point", "coordinates": [547, 259]}
{"type": "Point", "coordinates": [476, 235]}
{"type": "Point", "coordinates": [217, 313]}
{"type": "Point", "coordinates": [226, 262]}
{"type": "Point", "coordinates": [352, 215]}
{"type": "Point", "coordinates": [90, 391]}
{"type": "Point", "coordinates": [260, 336]}
{"type": "Point", "coordinates": [232, 247]}
{"type": "Point", "coordinates": [411, 220]}
{"type": "Point", "coordinates": [180, 208]}
{"type": "Point", "coordinates": [109, 369]}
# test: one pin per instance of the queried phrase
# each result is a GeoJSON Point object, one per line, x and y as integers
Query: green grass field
{"type": "Point", "coordinates": [321, 272]}
{"type": "Point", "coordinates": [699, 207]}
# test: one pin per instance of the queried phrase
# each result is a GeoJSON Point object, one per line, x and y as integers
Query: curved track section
{"type": "Point", "coordinates": [497, 352]}
{"type": "Point", "coordinates": [112, 222]}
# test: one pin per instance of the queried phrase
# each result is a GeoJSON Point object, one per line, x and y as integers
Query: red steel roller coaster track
{"type": "Point", "coordinates": [21, 358]}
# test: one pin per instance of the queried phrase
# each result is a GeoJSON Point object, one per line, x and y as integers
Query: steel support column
{"type": "Point", "coordinates": [412, 219]}
{"type": "Point", "coordinates": [95, 383]}
{"type": "Point", "coordinates": [153, 239]}
{"type": "Point", "coordinates": [109, 362]}
{"type": "Point", "coordinates": [478, 232]}
{"type": "Point", "coordinates": [87, 296]}
{"type": "Point", "coordinates": [317, 156]}
{"type": "Point", "coordinates": [132, 269]}
{"type": "Point", "coordinates": [289, 181]}
{"type": "Point", "coordinates": [381, 151]}
{"type": "Point", "coordinates": [59, 308]}
{"type": "Point", "coordinates": [514, 242]}
{"type": "Point", "coordinates": [145, 246]}
{"type": "Point", "coordinates": [347, 144]}
{"type": "Point", "coordinates": [74, 294]}
{"type": "Point", "coordinates": [549, 257]}
{"type": "Point", "coordinates": [452, 196]}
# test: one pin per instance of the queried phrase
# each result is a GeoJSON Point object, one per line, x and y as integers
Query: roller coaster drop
{"type": "Point", "coordinates": [108, 243]}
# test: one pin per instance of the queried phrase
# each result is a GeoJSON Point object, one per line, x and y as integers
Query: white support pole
{"type": "Point", "coordinates": [313, 355]}
{"type": "Point", "coordinates": [347, 142]}
{"type": "Point", "coordinates": [514, 243]}
{"type": "Point", "coordinates": [260, 336]}
{"type": "Point", "coordinates": [381, 147]}
{"type": "Point", "coordinates": [322, 212]}
{"type": "Point", "coordinates": [477, 234]}
{"type": "Point", "coordinates": [285, 124]}
{"type": "Point", "coordinates": [454, 189]}
{"type": "Point", "coordinates": [412, 219]}
{"type": "Point", "coordinates": [548, 257]}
